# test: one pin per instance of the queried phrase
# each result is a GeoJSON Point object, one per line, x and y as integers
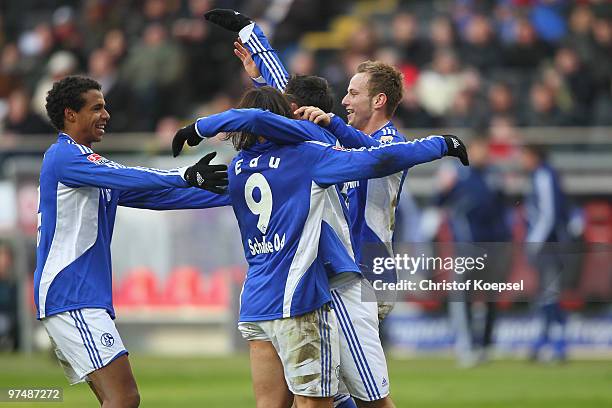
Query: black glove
{"type": "Point", "coordinates": [211, 177]}
{"type": "Point", "coordinates": [456, 148]}
{"type": "Point", "coordinates": [186, 134]}
{"type": "Point", "coordinates": [228, 19]}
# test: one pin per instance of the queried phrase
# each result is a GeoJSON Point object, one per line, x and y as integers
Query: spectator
{"type": "Point", "coordinates": [480, 49]}
{"type": "Point", "coordinates": [543, 110]}
{"type": "Point", "coordinates": [302, 63]}
{"type": "Point", "coordinates": [528, 51]}
{"type": "Point", "coordinates": [116, 44]}
{"type": "Point", "coordinates": [35, 47]}
{"type": "Point", "coordinates": [579, 37]}
{"type": "Point", "coordinates": [500, 102]}
{"type": "Point", "coordinates": [20, 119]}
{"type": "Point", "coordinates": [67, 35]}
{"type": "Point", "coordinates": [463, 111]}
{"type": "Point", "coordinates": [442, 33]}
{"type": "Point", "coordinates": [438, 86]}
{"type": "Point", "coordinates": [153, 69]}
{"type": "Point", "coordinates": [363, 41]}
{"type": "Point", "coordinates": [117, 94]}
{"type": "Point", "coordinates": [405, 39]}
{"type": "Point", "coordinates": [206, 49]}
{"type": "Point", "coordinates": [61, 64]}
{"type": "Point", "coordinates": [578, 82]}
{"type": "Point", "coordinates": [411, 114]}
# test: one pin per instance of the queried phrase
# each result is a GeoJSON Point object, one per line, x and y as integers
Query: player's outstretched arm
{"type": "Point", "coordinates": [276, 128]}
{"type": "Point", "coordinates": [350, 137]}
{"type": "Point", "coordinates": [336, 165]}
{"type": "Point", "coordinates": [347, 135]}
{"type": "Point", "coordinates": [173, 199]}
{"type": "Point", "coordinates": [78, 166]}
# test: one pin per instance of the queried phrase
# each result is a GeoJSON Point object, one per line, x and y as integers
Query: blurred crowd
{"type": "Point", "coordinates": [493, 64]}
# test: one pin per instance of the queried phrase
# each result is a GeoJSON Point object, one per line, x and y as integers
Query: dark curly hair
{"type": "Point", "coordinates": [67, 93]}
{"type": "Point", "coordinates": [310, 90]}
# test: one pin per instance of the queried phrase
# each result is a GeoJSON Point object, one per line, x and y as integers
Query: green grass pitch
{"type": "Point", "coordinates": [415, 383]}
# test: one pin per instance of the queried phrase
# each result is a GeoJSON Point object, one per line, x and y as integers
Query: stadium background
{"type": "Point", "coordinates": [514, 71]}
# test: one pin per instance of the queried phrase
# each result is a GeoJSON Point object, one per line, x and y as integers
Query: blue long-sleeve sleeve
{"type": "Point", "coordinates": [78, 166]}
{"type": "Point", "coordinates": [265, 57]}
{"type": "Point", "coordinates": [173, 199]}
{"type": "Point", "coordinates": [336, 165]}
{"type": "Point", "coordinates": [350, 137]}
{"type": "Point", "coordinates": [276, 128]}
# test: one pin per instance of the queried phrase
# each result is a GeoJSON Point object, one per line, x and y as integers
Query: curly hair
{"type": "Point", "coordinates": [68, 93]}
{"type": "Point", "coordinates": [384, 79]}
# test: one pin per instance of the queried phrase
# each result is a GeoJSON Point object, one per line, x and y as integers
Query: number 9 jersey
{"type": "Point", "coordinates": [279, 211]}
{"type": "Point", "coordinates": [278, 197]}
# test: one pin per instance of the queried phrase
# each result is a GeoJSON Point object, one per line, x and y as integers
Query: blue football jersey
{"type": "Point", "coordinates": [278, 196]}
{"type": "Point", "coordinates": [78, 197]}
{"type": "Point", "coordinates": [372, 203]}
{"type": "Point", "coordinates": [336, 246]}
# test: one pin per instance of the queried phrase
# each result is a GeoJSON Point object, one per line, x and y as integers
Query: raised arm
{"type": "Point", "coordinates": [271, 68]}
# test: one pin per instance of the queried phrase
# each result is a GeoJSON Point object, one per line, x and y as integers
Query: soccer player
{"type": "Point", "coordinates": [78, 198]}
{"type": "Point", "coordinates": [364, 373]}
{"type": "Point", "coordinates": [266, 123]}
{"type": "Point", "coordinates": [373, 95]}
{"type": "Point", "coordinates": [547, 219]}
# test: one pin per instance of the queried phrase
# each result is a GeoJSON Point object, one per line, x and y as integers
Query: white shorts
{"type": "Point", "coordinates": [363, 367]}
{"type": "Point", "coordinates": [308, 349]}
{"type": "Point", "coordinates": [84, 341]}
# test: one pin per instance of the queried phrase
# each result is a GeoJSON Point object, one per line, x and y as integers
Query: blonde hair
{"type": "Point", "coordinates": [386, 79]}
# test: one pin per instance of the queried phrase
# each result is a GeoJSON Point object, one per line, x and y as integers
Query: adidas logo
{"type": "Point", "coordinates": [384, 382]}
{"type": "Point", "coordinates": [455, 143]}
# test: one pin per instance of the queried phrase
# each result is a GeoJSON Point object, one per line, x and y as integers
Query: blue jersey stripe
{"type": "Point", "coordinates": [351, 344]}
{"type": "Point", "coordinates": [85, 342]}
{"type": "Point", "coordinates": [359, 349]}
{"type": "Point", "coordinates": [79, 314]}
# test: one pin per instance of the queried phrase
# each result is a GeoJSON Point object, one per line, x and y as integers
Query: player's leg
{"type": "Point", "coordinates": [363, 366]}
{"type": "Point", "coordinates": [309, 351]}
{"type": "Point", "coordinates": [89, 348]}
{"type": "Point", "coordinates": [95, 391]}
{"type": "Point", "coordinates": [116, 385]}
{"type": "Point", "coordinates": [268, 377]}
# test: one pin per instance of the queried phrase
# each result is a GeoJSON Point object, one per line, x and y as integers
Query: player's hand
{"type": "Point", "coordinates": [313, 114]}
{"type": "Point", "coordinates": [211, 177]}
{"type": "Point", "coordinates": [228, 19]}
{"type": "Point", "coordinates": [456, 148]}
{"type": "Point", "coordinates": [384, 308]}
{"type": "Point", "coordinates": [185, 134]}
{"type": "Point", "coordinates": [244, 55]}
